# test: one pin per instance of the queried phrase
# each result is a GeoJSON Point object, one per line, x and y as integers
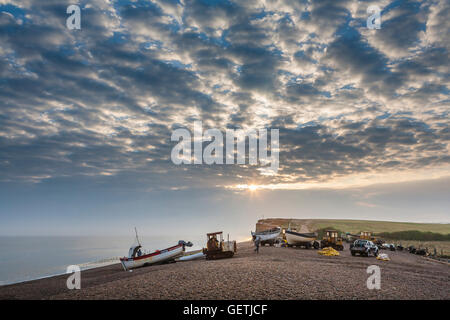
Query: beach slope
{"type": "Point", "coordinates": [274, 273]}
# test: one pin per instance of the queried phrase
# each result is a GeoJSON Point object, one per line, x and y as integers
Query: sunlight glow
{"type": "Point", "coordinates": [352, 181]}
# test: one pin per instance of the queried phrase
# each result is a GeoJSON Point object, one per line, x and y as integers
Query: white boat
{"type": "Point", "coordinates": [267, 236]}
{"type": "Point", "coordinates": [198, 255]}
{"type": "Point", "coordinates": [136, 259]}
{"type": "Point", "coordinates": [296, 238]}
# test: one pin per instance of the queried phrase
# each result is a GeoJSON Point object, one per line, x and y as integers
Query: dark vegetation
{"type": "Point", "coordinates": [414, 235]}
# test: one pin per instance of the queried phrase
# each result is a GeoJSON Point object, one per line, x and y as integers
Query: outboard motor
{"type": "Point", "coordinates": [185, 244]}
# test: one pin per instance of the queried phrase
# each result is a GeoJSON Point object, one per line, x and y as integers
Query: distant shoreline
{"type": "Point", "coordinates": [100, 265]}
{"type": "Point", "coordinates": [54, 275]}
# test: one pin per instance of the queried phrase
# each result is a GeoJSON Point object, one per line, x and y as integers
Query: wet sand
{"type": "Point", "coordinates": [274, 273]}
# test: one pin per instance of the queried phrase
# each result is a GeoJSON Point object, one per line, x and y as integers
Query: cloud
{"type": "Point", "coordinates": [101, 102]}
{"type": "Point", "coordinates": [407, 16]}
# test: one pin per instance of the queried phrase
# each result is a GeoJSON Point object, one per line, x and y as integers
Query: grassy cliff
{"type": "Point", "coordinates": [355, 226]}
{"type": "Point", "coordinates": [421, 235]}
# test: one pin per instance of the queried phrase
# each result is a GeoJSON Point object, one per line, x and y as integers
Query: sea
{"type": "Point", "coordinates": [30, 258]}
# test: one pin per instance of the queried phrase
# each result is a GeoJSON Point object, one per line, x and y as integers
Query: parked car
{"type": "Point", "coordinates": [364, 248]}
{"type": "Point", "coordinates": [388, 246]}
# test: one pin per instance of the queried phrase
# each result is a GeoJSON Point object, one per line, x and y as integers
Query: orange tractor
{"type": "Point", "coordinates": [217, 248]}
{"type": "Point", "coordinates": [332, 239]}
{"type": "Point", "coordinates": [367, 235]}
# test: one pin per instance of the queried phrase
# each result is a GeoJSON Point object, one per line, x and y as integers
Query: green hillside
{"type": "Point", "coordinates": [355, 226]}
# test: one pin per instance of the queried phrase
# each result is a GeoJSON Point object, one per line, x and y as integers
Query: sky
{"type": "Point", "coordinates": [86, 116]}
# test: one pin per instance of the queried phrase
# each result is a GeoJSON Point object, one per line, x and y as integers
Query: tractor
{"type": "Point", "coordinates": [331, 239]}
{"type": "Point", "coordinates": [217, 248]}
{"type": "Point", "coordinates": [367, 235]}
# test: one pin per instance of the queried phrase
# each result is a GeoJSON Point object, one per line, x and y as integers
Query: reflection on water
{"type": "Point", "coordinates": [27, 258]}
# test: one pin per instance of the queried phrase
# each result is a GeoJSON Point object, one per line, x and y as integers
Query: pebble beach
{"type": "Point", "coordinates": [274, 273]}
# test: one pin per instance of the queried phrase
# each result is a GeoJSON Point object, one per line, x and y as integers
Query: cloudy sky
{"type": "Point", "coordinates": [86, 115]}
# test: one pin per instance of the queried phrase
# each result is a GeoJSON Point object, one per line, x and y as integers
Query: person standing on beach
{"type": "Point", "coordinates": [257, 241]}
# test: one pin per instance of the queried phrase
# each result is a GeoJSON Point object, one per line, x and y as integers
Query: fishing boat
{"type": "Point", "coordinates": [267, 236]}
{"type": "Point", "coordinates": [193, 256]}
{"type": "Point", "coordinates": [300, 239]}
{"type": "Point", "coordinates": [137, 259]}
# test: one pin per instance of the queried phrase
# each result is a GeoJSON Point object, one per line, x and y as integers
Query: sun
{"type": "Point", "coordinates": [252, 187]}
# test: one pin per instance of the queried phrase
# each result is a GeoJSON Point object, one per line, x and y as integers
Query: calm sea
{"type": "Point", "coordinates": [28, 258]}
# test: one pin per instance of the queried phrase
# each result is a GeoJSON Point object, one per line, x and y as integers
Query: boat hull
{"type": "Point", "coordinates": [267, 236]}
{"type": "Point", "coordinates": [296, 238]}
{"type": "Point", "coordinates": [152, 258]}
{"type": "Point", "coordinates": [194, 256]}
